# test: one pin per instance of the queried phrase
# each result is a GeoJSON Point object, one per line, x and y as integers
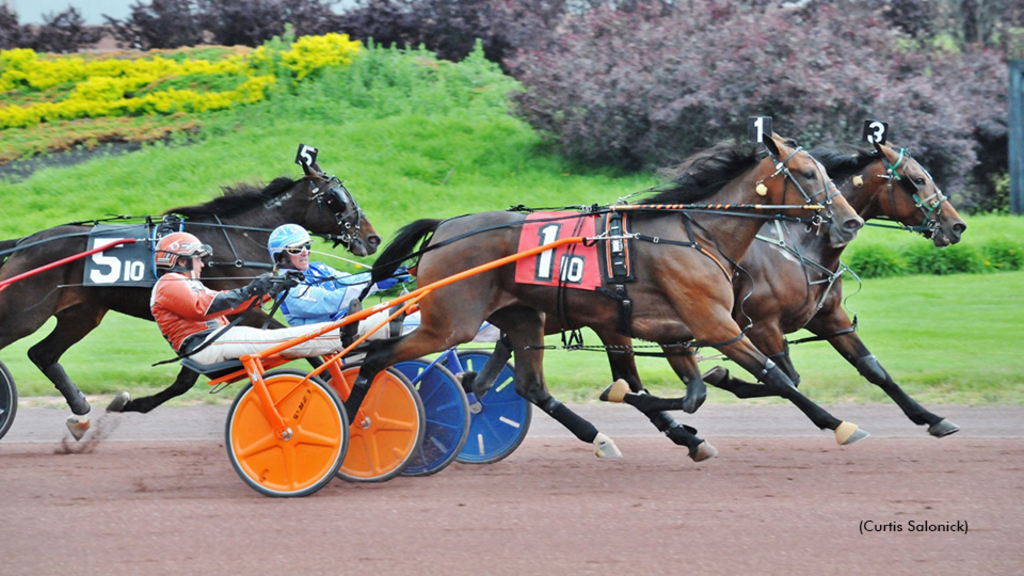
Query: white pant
{"type": "Point", "coordinates": [238, 341]}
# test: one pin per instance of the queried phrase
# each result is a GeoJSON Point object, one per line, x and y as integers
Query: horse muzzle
{"type": "Point", "coordinates": [842, 233]}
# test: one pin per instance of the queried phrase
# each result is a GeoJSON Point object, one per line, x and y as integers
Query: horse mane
{"type": "Point", "coordinates": [705, 173]}
{"type": "Point", "coordinates": [236, 199]}
{"type": "Point", "coordinates": [841, 164]}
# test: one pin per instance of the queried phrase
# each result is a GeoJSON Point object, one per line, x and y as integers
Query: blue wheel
{"type": "Point", "coordinates": [447, 412]}
{"type": "Point", "coordinates": [499, 421]}
{"type": "Point", "coordinates": [8, 400]}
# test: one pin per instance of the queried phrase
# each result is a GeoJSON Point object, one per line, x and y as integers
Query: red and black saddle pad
{"type": "Point", "coordinates": [570, 265]}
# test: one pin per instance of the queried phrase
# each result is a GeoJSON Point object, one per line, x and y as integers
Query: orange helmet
{"type": "Point", "coordinates": [179, 244]}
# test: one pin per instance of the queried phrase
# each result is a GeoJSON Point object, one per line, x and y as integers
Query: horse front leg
{"type": "Point", "coordinates": [850, 346]}
{"type": "Point", "coordinates": [768, 372]}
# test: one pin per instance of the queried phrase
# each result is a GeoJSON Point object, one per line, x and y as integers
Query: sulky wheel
{"type": "Point", "coordinates": [305, 462]}
{"type": "Point", "coordinates": [8, 400]}
{"type": "Point", "coordinates": [447, 412]}
{"type": "Point", "coordinates": [387, 430]}
{"type": "Point", "coordinates": [499, 420]}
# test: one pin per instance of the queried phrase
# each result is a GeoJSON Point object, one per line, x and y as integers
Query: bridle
{"type": "Point", "coordinates": [334, 197]}
{"type": "Point", "coordinates": [929, 206]}
{"type": "Point", "coordinates": [829, 190]}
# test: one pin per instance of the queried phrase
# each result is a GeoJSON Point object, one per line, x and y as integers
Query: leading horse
{"type": "Point", "coordinates": [236, 225]}
{"type": "Point", "coordinates": [682, 296]}
{"type": "Point", "coordinates": [797, 280]}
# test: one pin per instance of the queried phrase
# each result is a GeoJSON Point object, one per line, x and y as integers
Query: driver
{"type": "Point", "coordinates": [192, 317]}
{"type": "Point", "coordinates": [325, 294]}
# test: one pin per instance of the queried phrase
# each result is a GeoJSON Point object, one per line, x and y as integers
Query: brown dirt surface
{"type": "Point", "coordinates": [781, 505]}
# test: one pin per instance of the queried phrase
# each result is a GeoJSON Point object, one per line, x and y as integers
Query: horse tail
{"type": "Point", "coordinates": [401, 248]}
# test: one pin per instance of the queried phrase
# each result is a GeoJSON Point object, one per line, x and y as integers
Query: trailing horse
{"type": "Point", "coordinates": [681, 296]}
{"type": "Point", "coordinates": [236, 225]}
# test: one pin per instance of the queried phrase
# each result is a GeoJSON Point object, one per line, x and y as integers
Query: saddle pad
{"type": "Point", "coordinates": [124, 265]}
{"type": "Point", "coordinates": [577, 264]}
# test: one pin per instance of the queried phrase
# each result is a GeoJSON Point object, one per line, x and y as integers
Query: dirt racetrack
{"type": "Point", "coordinates": [791, 504]}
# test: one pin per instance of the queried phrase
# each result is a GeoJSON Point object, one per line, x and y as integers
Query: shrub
{"type": "Point", "coordinates": [923, 258]}
{"type": "Point", "coordinates": [63, 32]}
{"type": "Point", "coordinates": [159, 24]}
{"type": "Point", "coordinates": [647, 87]}
{"type": "Point", "coordinates": [450, 28]}
{"type": "Point", "coordinates": [12, 34]}
{"type": "Point", "coordinates": [877, 262]}
{"type": "Point", "coordinates": [1003, 254]}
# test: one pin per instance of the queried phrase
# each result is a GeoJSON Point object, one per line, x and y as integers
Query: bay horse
{"type": "Point", "coordinates": [682, 294]}
{"type": "Point", "coordinates": [236, 225]}
{"type": "Point", "coordinates": [797, 279]}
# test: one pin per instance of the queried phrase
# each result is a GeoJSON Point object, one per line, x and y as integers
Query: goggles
{"type": "Point", "coordinates": [298, 249]}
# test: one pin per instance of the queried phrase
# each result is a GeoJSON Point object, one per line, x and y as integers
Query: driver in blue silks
{"type": "Point", "coordinates": [326, 294]}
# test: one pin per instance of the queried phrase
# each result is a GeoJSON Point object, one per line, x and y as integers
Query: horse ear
{"type": "Point", "coordinates": [310, 171]}
{"type": "Point", "coordinates": [772, 145]}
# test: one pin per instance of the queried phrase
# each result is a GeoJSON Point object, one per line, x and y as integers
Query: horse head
{"type": "Point", "coordinates": [912, 198]}
{"type": "Point", "coordinates": [333, 208]}
{"type": "Point", "coordinates": [793, 174]}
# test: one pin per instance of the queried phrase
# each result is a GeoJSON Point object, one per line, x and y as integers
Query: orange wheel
{"type": "Point", "coordinates": [388, 429]}
{"type": "Point", "coordinates": [310, 458]}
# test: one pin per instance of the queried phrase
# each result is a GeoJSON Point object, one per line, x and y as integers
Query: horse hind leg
{"type": "Point", "coordinates": [72, 325]}
{"type": "Point", "coordinates": [525, 330]}
{"type": "Point", "coordinates": [184, 382]}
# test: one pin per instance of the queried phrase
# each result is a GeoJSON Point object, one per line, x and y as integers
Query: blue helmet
{"type": "Point", "coordinates": [284, 236]}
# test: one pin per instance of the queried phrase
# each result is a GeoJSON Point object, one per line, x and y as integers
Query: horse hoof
{"type": "Point", "coordinates": [703, 451]}
{"type": "Point", "coordinates": [615, 392]}
{"type": "Point", "coordinates": [943, 428]}
{"type": "Point", "coordinates": [119, 402]}
{"type": "Point", "coordinates": [716, 375]}
{"type": "Point", "coordinates": [848, 433]}
{"type": "Point", "coordinates": [605, 448]}
{"type": "Point", "coordinates": [78, 425]}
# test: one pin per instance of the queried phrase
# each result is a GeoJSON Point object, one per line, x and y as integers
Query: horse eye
{"type": "Point", "coordinates": [810, 174]}
{"type": "Point", "coordinates": [919, 181]}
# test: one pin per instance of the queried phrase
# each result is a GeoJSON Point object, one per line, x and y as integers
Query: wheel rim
{"type": "Point", "coordinates": [387, 429]}
{"type": "Point", "coordinates": [301, 464]}
{"type": "Point", "coordinates": [504, 419]}
{"type": "Point", "coordinates": [447, 417]}
{"type": "Point", "coordinates": [8, 400]}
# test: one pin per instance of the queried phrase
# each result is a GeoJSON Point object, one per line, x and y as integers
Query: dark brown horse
{"type": "Point", "coordinates": [236, 225]}
{"type": "Point", "coordinates": [682, 294]}
{"type": "Point", "coordinates": [797, 279]}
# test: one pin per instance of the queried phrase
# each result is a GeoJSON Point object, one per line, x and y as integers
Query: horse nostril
{"type": "Point", "coordinates": [854, 224]}
{"type": "Point", "coordinates": [959, 227]}
{"type": "Point", "coordinates": [373, 241]}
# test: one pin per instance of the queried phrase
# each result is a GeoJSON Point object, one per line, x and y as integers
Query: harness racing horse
{"type": "Point", "coordinates": [236, 225]}
{"type": "Point", "coordinates": [794, 281]}
{"type": "Point", "coordinates": [682, 294]}
{"type": "Point", "coordinates": [797, 278]}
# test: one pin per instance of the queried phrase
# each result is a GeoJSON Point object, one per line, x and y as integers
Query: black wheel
{"type": "Point", "coordinates": [8, 400]}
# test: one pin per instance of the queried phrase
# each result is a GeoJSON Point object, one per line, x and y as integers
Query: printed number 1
{"type": "Point", "coordinates": [546, 260]}
{"type": "Point", "coordinates": [759, 125]}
